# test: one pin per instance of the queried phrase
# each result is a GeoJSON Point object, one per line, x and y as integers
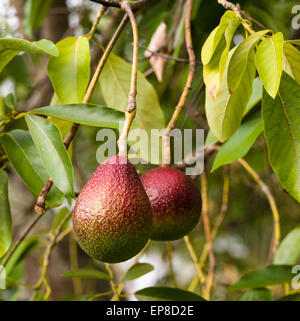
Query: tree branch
{"type": "Point", "coordinates": [238, 12]}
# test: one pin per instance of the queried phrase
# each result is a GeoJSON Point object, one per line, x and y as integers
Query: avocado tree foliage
{"type": "Point", "coordinates": [235, 74]}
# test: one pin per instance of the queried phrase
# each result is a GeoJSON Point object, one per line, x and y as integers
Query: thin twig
{"type": "Point", "coordinates": [96, 22]}
{"type": "Point", "coordinates": [170, 263]}
{"type": "Point", "coordinates": [187, 88]}
{"type": "Point", "coordinates": [220, 218]}
{"type": "Point", "coordinates": [23, 236]}
{"type": "Point", "coordinates": [112, 283]}
{"type": "Point", "coordinates": [265, 189]}
{"type": "Point", "coordinates": [131, 104]}
{"type": "Point", "coordinates": [73, 255]}
{"type": "Point", "coordinates": [176, 23]}
{"type": "Point", "coordinates": [98, 295]}
{"type": "Point", "coordinates": [218, 223]}
{"type": "Point", "coordinates": [209, 241]}
{"type": "Point", "coordinates": [168, 57]}
{"type": "Point", "coordinates": [46, 258]}
{"type": "Point", "coordinates": [252, 19]}
{"type": "Point", "coordinates": [193, 103]}
{"type": "Point", "coordinates": [195, 261]}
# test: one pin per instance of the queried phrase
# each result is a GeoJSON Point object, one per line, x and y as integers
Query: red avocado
{"type": "Point", "coordinates": [112, 217]}
{"type": "Point", "coordinates": [176, 203]}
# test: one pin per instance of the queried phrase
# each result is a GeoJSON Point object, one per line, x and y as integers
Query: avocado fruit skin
{"type": "Point", "coordinates": [176, 203]}
{"type": "Point", "coordinates": [112, 217]}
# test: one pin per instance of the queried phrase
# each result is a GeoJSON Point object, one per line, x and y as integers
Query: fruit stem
{"type": "Point", "coordinates": [131, 104]}
{"type": "Point", "coordinates": [187, 87]}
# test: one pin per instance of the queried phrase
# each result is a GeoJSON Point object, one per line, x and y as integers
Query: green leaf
{"type": "Point", "coordinates": [294, 41]}
{"type": "Point", "coordinates": [5, 215]}
{"type": "Point", "coordinates": [291, 297]}
{"type": "Point", "coordinates": [10, 101]}
{"type": "Point", "coordinates": [269, 62]}
{"type": "Point", "coordinates": [239, 60]}
{"type": "Point", "coordinates": [259, 294]}
{"type": "Point", "coordinates": [70, 71]}
{"type": "Point", "coordinates": [9, 48]}
{"type": "Point", "coordinates": [35, 12]}
{"type": "Point", "coordinates": [25, 159]}
{"type": "Point", "coordinates": [257, 90]}
{"type": "Point", "coordinates": [54, 156]}
{"type": "Point", "coordinates": [115, 83]}
{"type": "Point", "coordinates": [6, 56]}
{"type": "Point", "coordinates": [210, 139]}
{"type": "Point", "coordinates": [23, 249]}
{"type": "Point", "coordinates": [269, 275]}
{"type": "Point", "coordinates": [87, 274]}
{"type": "Point", "coordinates": [281, 119]}
{"type": "Point", "coordinates": [137, 270]}
{"type": "Point", "coordinates": [215, 37]}
{"type": "Point", "coordinates": [211, 71]}
{"type": "Point", "coordinates": [256, 97]}
{"type": "Point", "coordinates": [167, 294]}
{"type": "Point", "coordinates": [240, 142]}
{"type": "Point", "coordinates": [229, 33]}
{"type": "Point", "coordinates": [289, 249]}
{"type": "Point", "coordinates": [291, 61]}
{"type": "Point", "coordinates": [42, 46]}
{"type": "Point", "coordinates": [91, 115]}
{"type": "Point", "coordinates": [225, 111]}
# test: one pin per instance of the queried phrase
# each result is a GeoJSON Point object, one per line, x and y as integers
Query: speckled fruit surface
{"type": "Point", "coordinates": [175, 200]}
{"type": "Point", "coordinates": [112, 217]}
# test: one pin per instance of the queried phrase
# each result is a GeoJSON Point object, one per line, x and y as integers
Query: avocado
{"type": "Point", "coordinates": [112, 217]}
{"type": "Point", "coordinates": [176, 203]}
